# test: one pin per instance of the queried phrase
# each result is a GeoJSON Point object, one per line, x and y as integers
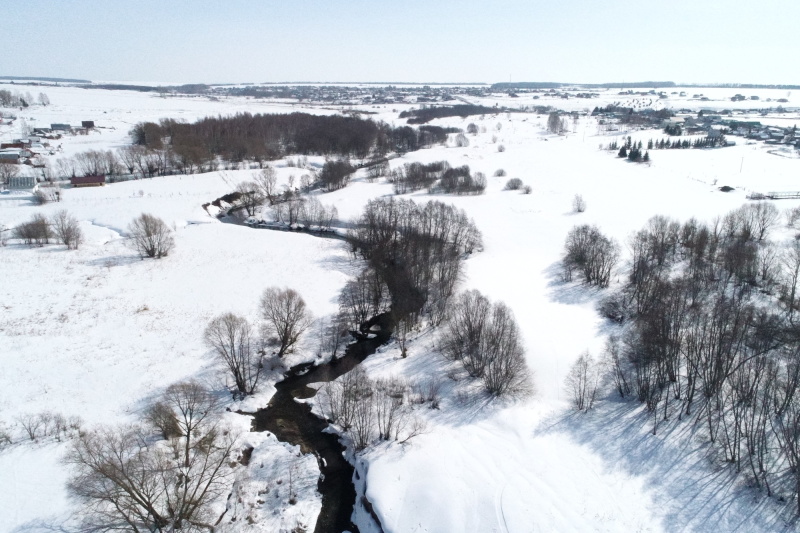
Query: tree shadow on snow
{"type": "Point", "coordinates": [40, 525]}
{"type": "Point", "coordinates": [568, 292]}
{"type": "Point", "coordinates": [692, 491]}
{"type": "Point", "coordinates": [111, 261]}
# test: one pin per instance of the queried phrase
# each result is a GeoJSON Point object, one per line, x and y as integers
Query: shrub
{"type": "Point", "coordinates": [514, 184]}
{"type": "Point", "coordinates": [499, 172]}
{"type": "Point", "coordinates": [462, 141]}
{"type": "Point", "coordinates": [501, 148]}
{"type": "Point", "coordinates": [526, 189]}
{"type": "Point", "coordinates": [40, 197]}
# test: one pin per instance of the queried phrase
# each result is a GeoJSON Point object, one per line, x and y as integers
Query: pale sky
{"type": "Point", "coordinates": [229, 41]}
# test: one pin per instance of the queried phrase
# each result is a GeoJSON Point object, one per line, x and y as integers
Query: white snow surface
{"type": "Point", "coordinates": [97, 332]}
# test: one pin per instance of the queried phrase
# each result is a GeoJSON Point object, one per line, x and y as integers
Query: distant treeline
{"type": "Point", "coordinates": [191, 88]}
{"type": "Point", "coordinates": [634, 85]}
{"type": "Point", "coordinates": [263, 137]}
{"type": "Point", "coordinates": [559, 85]}
{"type": "Point", "coordinates": [424, 115]}
{"type": "Point", "coordinates": [33, 78]}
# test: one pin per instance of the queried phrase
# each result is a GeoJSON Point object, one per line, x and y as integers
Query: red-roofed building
{"type": "Point", "coordinates": [88, 181]}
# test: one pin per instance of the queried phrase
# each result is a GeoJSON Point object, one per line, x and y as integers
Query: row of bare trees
{"type": "Point", "coordinates": [40, 230]}
{"type": "Point", "coordinates": [16, 99]}
{"type": "Point", "coordinates": [371, 410]}
{"type": "Point", "coordinates": [709, 330]}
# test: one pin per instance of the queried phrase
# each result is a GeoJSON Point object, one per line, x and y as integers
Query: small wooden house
{"type": "Point", "coordinates": [96, 180]}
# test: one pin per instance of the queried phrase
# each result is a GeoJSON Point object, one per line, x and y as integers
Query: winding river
{"type": "Point", "coordinates": [293, 422]}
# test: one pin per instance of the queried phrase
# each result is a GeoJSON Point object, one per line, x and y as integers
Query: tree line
{"type": "Point", "coordinates": [629, 145]}
{"type": "Point", "coordinates": [426, 114]}
{"type": "Point", "coordinates": [264, 137]}
{"type": "Point", "coordinates": [15, 99]}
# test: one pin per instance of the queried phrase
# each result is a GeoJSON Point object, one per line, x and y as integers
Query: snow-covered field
{"type": "Point", "coordinates": [96, 332]}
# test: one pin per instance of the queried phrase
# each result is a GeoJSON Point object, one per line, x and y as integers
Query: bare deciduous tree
{"type": "Point", "coordinates": [251, 196]}
{"type": "Point", "coordinates": [554, 123]}
{"type": "Point", "coordinates": [125, 482]}
{"type": "Point", "coordinates": [151, 236]}
{"type": "Point", "coordinates": [578, 204]}
{"type": "Point", "coordinates": [193, 407]}
{"type": "Point", "coordinates": [582, 382]}
{"type": "Point", "coordinates": [591, 252]}
{"type": "Point", "coordinates": [231, 338]}
{"type": "Point", "coordinates": [485, 338]}
{"type": "Point", "coordinates": [67, 229]}
{"type": "Point", "coordinates": [8, 171]}
{"type": "Point", "coordinates": [286, 315]}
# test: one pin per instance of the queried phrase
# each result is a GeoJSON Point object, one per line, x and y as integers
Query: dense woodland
{"type": "Point", "coordinates": [709, 330]}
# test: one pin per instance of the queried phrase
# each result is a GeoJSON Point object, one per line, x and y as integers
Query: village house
{"type": "Point", "coordinates": [92, 180]}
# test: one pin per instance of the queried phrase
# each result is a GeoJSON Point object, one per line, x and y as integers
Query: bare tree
{"type": "Point", "coordinates": [286, 315]}
{"type": "Point", "coordinates": [67, 229]}
{"type": "Point", "coordinates": [267, 181]}
{"type": "Point", "coordinates": [231, 338]}
{"type": "Point", "coordinates": [485, 338]}
{"type": "Point", "coordinates": [554, 123]}
{"type": "Point", "coordinates": [506, 371]}
{"type": "Point", "coordinates": [578, 204]}
{"type": "Point", "coordinates": [8, 171]}
{"type": "Point", "coordinates": [124, 482]}
{"type": "Point", "coordinates": [193, 406]}
{"type": "Point", "coordinates": [582, 382]}
{"type": "Point", "coordinates": [151, 236]}
{"type": "Point", "coordinates": [251, 196]}
{"type": "Point", "coordinates": [790, 261]}
{"type": "Point", "coordinates": [591, 252]}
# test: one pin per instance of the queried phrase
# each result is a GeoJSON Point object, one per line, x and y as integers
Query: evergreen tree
{"type": "Point", "coordinates": [623, 152]}
{"type": "Point", "coordinates": [646, 157]}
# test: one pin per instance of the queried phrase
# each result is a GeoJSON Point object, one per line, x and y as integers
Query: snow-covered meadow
{"type": "Point", "coordinates": [97, 332]}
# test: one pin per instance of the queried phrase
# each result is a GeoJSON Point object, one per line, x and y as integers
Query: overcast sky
{"type": "Point", "coordinates": [406, 40]}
